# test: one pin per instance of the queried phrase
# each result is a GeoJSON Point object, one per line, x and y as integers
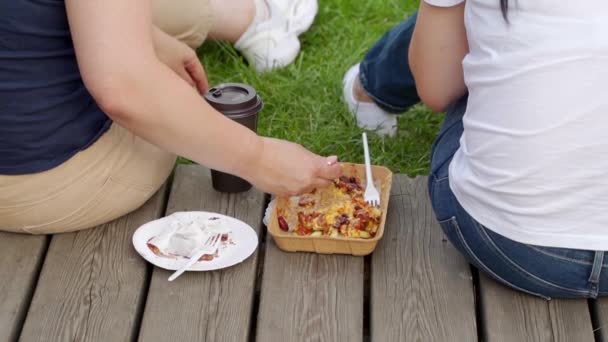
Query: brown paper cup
{"type": "Point", "coordinates": [241, 103]}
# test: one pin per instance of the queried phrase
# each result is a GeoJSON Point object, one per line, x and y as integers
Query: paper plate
{"type": "Point", "coordinates": [244, 237]}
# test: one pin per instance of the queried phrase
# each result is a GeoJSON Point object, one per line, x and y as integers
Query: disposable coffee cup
{"type": "Point", "coordinates": [241, 103]}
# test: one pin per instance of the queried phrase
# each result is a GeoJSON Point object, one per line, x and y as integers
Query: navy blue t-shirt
{"type": "Point", "coordinates": [46, 113]}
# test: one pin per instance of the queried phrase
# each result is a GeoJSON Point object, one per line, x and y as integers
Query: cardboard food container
{"type": "Point", "coordinates": [291, 242]}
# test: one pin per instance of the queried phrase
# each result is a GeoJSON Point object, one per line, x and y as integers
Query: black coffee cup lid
{"type": "Point", "coordinates": [234, 99]}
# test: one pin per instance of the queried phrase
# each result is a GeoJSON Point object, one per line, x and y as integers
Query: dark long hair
{"type": "Point", "coordinates": [504, 7]}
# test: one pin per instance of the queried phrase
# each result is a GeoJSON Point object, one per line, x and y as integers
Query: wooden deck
{"type": "Point", "coordinates": [92, 286]}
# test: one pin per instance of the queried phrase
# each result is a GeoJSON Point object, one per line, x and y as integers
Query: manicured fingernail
{"type": "Point", "coordinates": [332, 160]}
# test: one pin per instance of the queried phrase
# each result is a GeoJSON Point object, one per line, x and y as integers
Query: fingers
{"type": "Point", "coordinates": [197, 73]}
{"type": "Point", "coordinates": [186, 77]}
{"type": "Point", "coordinates": [332, 160]}
{"type": "Point", "coordinates": [328, 168]}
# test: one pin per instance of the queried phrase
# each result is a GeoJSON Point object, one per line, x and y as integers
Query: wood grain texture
{"type": "Point", "coordinates": [204, 306]}
{"type": "Point", "coordinates": [20, 260]}
{"type": "Point", "coordinates": [310, 297]}
{"type": "Point", "coordinates": [510, 315]}
{"type": "Point", "coordinates": [421, 288]}
{"type": "Point", "coordinates": [91, 284]}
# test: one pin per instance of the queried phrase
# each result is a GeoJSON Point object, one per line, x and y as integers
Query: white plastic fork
{"type": "Point", "coordinates": [209, 247]}
{"type": "Point", "coordinates": [371, 195]}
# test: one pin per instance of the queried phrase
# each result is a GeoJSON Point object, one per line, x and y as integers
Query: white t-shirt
{"type": "Point", "coordinates": [533, 160]}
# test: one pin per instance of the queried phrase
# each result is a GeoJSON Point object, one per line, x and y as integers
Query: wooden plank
{"type": "Point", "coordinates": [421, 288]}
{"type": "Point", "coordinates": [20, 260]}
{"type": "Point", "coordinates": [91, 284]}
{"type": "Point", "coordinates": [510, 315]}
{"type": "Point", "coordinates": [204, 306]}
{"type": "Point", "coordinates": [310, 297]}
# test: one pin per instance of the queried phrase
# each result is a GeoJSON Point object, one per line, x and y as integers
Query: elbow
{"type": "Point", "coordinates": [112, 95]}
{"type": "Point", "coordinates": [436, 101]}
{"type": "Point", "coordinates": [429, 92]}
{"type": "Point", "coordinates": [437, 87]}
{"type": "Point", "coordinates": [438, 94]}
{"type": "Point", "coordinates": [434, 92]}
{"type": "Point", "coordinates": [107, 102]}
{"type": "Point", "coordinates": [111, 104]}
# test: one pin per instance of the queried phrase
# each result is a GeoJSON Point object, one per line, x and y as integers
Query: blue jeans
{"type": "Point", "coordinates": [546, 272]}
{"type": "Point", "coordinates": [384, 72]}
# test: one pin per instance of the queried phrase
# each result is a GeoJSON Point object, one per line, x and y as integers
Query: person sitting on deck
{"type": "Point", "coordinates": [97, 97]}
{"type": "Point", "coordinates": [519, 178]}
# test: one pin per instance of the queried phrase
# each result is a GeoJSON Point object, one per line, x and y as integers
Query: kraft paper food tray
{"type": "Point", "coordinates": [290, 242]}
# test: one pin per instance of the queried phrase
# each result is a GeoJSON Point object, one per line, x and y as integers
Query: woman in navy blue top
{"type": "Point", "coordinates": [97, 97]}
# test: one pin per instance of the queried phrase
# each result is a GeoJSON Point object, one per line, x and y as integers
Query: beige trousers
{"type": "Point", "coordinates": [111, 178]}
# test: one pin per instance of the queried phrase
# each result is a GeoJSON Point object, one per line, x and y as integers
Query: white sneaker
{"type": "Point", "coordinates": [268, 43]}
{"type": "Point", "coordinates": [368, 115]}
{"type": "Point", "coordinates": [300, 14]}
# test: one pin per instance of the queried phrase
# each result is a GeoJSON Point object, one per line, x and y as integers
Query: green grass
{"type": "Point", "coordinates": [303, 102]}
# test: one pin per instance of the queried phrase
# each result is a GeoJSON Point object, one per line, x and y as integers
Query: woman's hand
{"type": "Point", "coordinates": [285, 168]}
{"type": "Point", "coordinates": [181, 59]}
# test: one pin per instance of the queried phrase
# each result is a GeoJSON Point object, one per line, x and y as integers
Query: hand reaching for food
{"type": "Point", "coordinates": [285, 168]}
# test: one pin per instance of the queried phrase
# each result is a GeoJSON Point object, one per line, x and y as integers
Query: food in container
{"type": "Point", "coordinates": [334, 219]}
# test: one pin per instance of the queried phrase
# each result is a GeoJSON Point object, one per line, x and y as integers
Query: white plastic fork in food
{"type": "Point", "coordinates": [209, 247]}
{"type": "Point", "coordinates": [371, 195]}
